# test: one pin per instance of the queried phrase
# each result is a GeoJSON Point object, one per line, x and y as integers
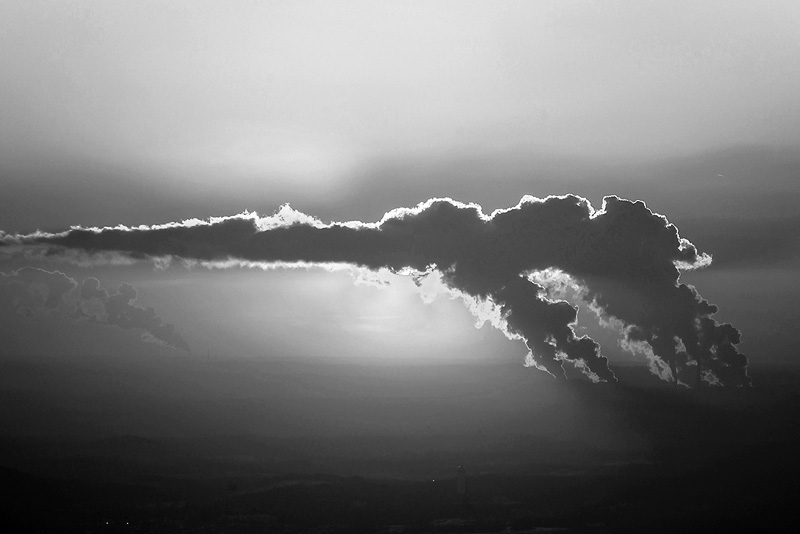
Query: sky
{"type": "Point", "coordinates": [147, 113]}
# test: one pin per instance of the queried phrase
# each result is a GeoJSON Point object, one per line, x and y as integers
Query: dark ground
{"type": "Point", "coordinates": [707, 460]}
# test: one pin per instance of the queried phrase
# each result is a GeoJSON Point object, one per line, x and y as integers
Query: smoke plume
{"type": "Point", "coordinates": [625, 258]}
{"type": "Point", "coordinates": [31, 290]}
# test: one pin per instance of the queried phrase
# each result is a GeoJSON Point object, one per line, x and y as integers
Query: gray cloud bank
{"type": "Point", "coordinates": [31, 290]}
{"type": "Point", "coordinates": [625, 259]}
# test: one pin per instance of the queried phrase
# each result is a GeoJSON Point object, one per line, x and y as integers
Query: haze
{"type": "Point", "coordinates": [146, 113]}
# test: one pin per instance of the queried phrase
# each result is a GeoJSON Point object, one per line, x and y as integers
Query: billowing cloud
{"type": "Point", "coordinates": [626, 259]}
{"type": "Point", "coordinates": [32, 290]}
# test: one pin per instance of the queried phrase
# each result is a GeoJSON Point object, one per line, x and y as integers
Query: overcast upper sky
{"type": "Point", "coordinates": [294, 99]}
{"type": "Point", "coordinates": [144, 112]}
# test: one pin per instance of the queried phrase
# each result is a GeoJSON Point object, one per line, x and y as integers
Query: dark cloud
{"type": "Point", "coordinates": [32, 290]}
{"type": "Point", "coordinates": [625, 258]}
{"type": "Point", "coordinates": [118, 309]}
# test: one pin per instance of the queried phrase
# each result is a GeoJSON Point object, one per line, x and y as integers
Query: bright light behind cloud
{"type": "Point", "coordinates": [316, 314]}
{"type": "Point", "coordinates": [150, 111]}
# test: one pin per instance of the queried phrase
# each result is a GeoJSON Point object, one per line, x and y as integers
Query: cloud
{"type": "Point", "coordinates": [32, 290]}
{"type": "Point", "coordinates": [118, 309]}
{"type": "Point", "coordinates": [626, 259]}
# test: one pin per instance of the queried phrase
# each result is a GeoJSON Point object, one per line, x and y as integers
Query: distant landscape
{"type": "Point", "coordinates": [700, 459]}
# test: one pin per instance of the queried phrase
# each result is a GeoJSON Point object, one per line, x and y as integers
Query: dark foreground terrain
{"type": "Point", "coordinates": [732, 494]}
{"type": "Point", "coordinates": [670, 459]}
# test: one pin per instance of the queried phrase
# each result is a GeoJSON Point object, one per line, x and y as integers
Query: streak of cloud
{"type": "Point", "coordinates": [626, 259]}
